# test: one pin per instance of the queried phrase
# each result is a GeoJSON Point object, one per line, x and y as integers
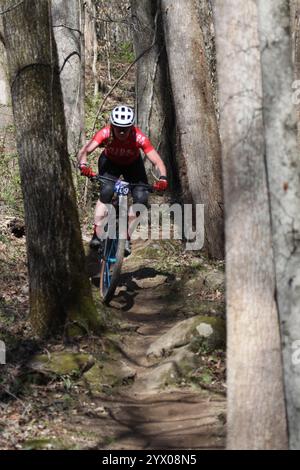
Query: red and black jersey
{"type": "Point", "coordinates": [123, 152]}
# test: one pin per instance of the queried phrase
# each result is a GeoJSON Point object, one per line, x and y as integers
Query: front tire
{"type": "Point", "coordinates": [110, 273]}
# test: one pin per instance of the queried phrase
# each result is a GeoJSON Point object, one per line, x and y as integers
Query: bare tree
{"type": "Point", "coordinates": [283, 165]}
{"type": "Point", "coordinates": [60, 292]}
{"type": "Point", "coordinates": [68, 28]}
{"type": "Point", "coordinates": [256, 407]}
{"type": "Point", "coordinates": [200, 148]}
{"type": "Point", "coordinates": [91, 42]}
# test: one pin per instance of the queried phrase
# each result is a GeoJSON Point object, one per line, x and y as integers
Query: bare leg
{"type": "Point", "coordinates": [101, 213]}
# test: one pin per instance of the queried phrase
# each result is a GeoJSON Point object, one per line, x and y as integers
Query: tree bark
{"type": "Point", "coordinates": [256, 409]}
{"type": "Point", "coordinates": [68, 33]}
{"type": "Point", "coordinates": [155, 112]}
{"type": "Point", "coordinates": [60, 293]}
{"type": "Point", "coordinates": [195, 116]}
{"type": "Point", "coordinates": [283, 165]}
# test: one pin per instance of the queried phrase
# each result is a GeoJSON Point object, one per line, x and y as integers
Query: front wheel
{"type": "Point", "coordinates": [110, 269]}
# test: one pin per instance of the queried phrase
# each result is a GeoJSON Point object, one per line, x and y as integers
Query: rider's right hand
{"type": "Point", "coordinates": [85, 170]}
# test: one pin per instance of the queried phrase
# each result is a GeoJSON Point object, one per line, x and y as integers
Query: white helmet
{"type": "Point", "coordinates": [122, 116]}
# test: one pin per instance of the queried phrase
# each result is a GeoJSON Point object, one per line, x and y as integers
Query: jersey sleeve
{"type": "Point", "coordinates": [101, 136]}
{"type": "Point", "coordinates": [147, 146]}
{"type": "Point", "coordinates": [143, 142]}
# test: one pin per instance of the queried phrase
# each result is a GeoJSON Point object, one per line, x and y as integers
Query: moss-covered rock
{"type": "Point", "coordinates": [211, 335]}
{"type": "Point", "coordinates": [47, 444]}
{"type": "Point", "coordinates": [107, 375]}
{"type": "Point", "coordinates": [61, 363]}
{"type": "Point", "coordinates": [205, 308]}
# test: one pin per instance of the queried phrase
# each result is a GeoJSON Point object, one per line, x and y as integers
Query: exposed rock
{"type": "Point", "coordinates": [161, 376]}
{"type": "Point", "coordinates": [215, 280]}
{"type": "Point", "coordinates": [186, 331]}
{"type": "Point", "coordinates": [205, 330]}
{"type": "Point", "coordinates": [102, 376]}
{"type": "Point", "coordinates": [170, 371]}
{"type": "Point", "coordinates": [150, 282]}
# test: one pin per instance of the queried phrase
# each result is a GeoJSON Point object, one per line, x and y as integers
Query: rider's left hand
{"type": "Point", "coordinates": [85, 170]}
{"type": "Point", "coordinates": [161, 185]}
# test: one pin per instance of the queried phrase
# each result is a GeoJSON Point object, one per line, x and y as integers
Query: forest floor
{"type": "Point", "coordinates": [154, 380]}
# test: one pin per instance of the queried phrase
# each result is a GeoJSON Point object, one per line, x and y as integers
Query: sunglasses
{"type": "Point", "coordinates": [122, 130]}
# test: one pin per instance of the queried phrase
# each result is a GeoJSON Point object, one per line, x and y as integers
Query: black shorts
{"type": "Point", "coordinates": [134, 173]}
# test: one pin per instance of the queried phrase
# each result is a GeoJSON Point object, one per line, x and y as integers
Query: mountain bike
{"type": "Point", "coordinates": [112, 255]}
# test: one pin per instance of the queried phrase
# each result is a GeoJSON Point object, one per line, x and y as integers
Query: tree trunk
{"type": "Point", "coordinates": [283, 165]}
{"type": "Point", "coordinates": [154, 106]}
{"type": "Point", "coordinates": [68, 33]}
{"type": "Point", "coordinates": [256, 409]}
{"type": "Point", "coordinates": [91, 43]}
{"type": "Point", "coordinates": [5, 100]}
{"type": "Point", "coordinates": [195, 115]}
{"type": "Point", "coordinates": [60, 292]}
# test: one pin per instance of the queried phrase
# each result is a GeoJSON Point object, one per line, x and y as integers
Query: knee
{"type": "Point", "coordinates": [140, 196]}
{"type": "Point", "coordinates": [106, 193]}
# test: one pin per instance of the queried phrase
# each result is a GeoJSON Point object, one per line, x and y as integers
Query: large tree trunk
{"type": "Point", "coordinates": [283, 165]}
{"type": "Point", "coordinates": [69, 33]}
{"type": "Point", "coordinates": [5, 100]}
{"type": "Point", "coordinates": [60, 292]}
{"type": "Point", "coordinates": [195, 114]}
{"type": "Point", "coordinates": [256, 408]}
{"type": "Point", "coordinates": [154, 106]}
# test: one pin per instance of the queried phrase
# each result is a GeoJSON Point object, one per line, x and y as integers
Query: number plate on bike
{"type": "Point", "coordinates": [122, 188]}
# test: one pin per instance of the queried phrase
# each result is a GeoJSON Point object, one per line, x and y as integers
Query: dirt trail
{"type": "Point", "coordinates": [146, 415]}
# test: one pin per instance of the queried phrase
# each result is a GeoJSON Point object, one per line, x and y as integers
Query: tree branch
{"type": "Point", "coordinates": [67, 27]}
{"type": "Point", "coordinates": [67, 58]}
{"type": "Point", "coordinates": [12, 7]}
{"type": "Point", "coordinates": [29, 66]}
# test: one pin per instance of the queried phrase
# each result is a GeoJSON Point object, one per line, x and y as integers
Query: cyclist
{"type": "Point", "coordinates": [122, 142]}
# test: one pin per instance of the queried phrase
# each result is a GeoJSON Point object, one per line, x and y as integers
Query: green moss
{"type": "Point", "coordinates": [103, 376]}
{"type": "Point", "coordinates": [47, 443]}
{"type": "Point", "coordinates": [61, 363]}
{"type": "Point", "coordinates": [204, 307]}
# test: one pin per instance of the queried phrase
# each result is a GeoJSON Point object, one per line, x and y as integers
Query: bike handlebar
{"type": "Point", "coordinates": [100, 179]}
